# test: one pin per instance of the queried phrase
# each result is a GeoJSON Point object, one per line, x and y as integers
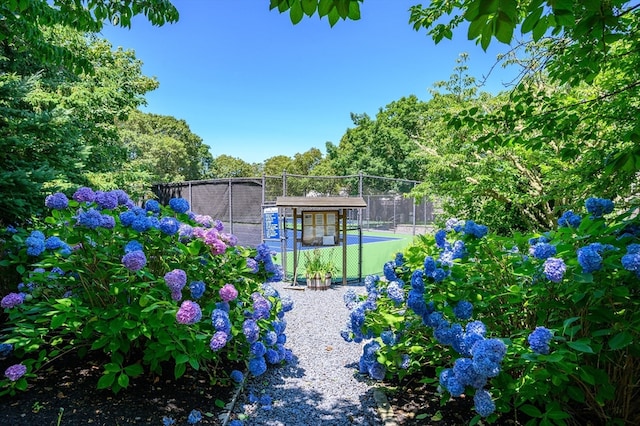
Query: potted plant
{"type": "Point", "coordinates": [318, 270]}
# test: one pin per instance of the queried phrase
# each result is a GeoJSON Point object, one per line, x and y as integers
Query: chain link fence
{"type": "Point", "coordinates": [387, 223]}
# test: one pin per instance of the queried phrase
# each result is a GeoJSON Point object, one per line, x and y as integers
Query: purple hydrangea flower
{"type": "Point", "coordinates": [57, 201]}
{"type": "Point", "coordinates": [176, 280]}
{"type": "Point", "coordinates": [569, 220]}
{"type": "Point", "coordinates": [539, 340]}
{"type": "Point", "coordinates": [106, 200]}
{"type": "Point", "coordinates": [12, 300]}
{"type": "Point", "coordinates": [228, 293]}
{"type": "Point", "coordinates": [185, 232]}
{"type": "Point", "coordinates": [179, 205]}
{"type": "Point", "coordinates": [152, 206]}
{"type": "Point", "coordinates": [189, 313]}
{"type": "Point", "coordinates": [218, 341]}
{"type": "Point", "coordinates": [554, 269]}
{"type": "Point", "coordinates": [251, 330]}
{"type": "Point", "coordinates": [252, 265]}
{"type": "Point", "coordinates": [15, 371]}
{"type": "Point", "coordinates": [197, 289]}
{"type": "Point", "coordinates": [134, 260]}
{"type": "Point", "coordinates": [483, 403]}
{"type": "Point", "coordinates": [261, 306]}
{"type": "Point", "coordinates": [598, 207]}
{"type": "Point", "coordinates": [84, 195]}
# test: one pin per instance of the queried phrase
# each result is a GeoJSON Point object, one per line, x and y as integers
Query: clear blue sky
{"type": "Point", "coordinates": [252, 85]}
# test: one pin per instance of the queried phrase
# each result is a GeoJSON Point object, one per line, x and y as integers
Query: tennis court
{"type": "Point", "coordinates": [377, 248]}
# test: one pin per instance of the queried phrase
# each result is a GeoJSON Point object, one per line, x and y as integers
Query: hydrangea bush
{"type": "Point", "coordinates": [546, 325]}
{"type": "Point", "coordinates": [151, 287]}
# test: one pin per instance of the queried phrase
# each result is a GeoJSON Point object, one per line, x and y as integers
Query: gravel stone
{"type": "Point", "coordinates": [322, 386]}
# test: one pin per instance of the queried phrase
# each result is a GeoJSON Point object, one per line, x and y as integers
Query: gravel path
{"type": "Point", "coordinates": [322, 386]}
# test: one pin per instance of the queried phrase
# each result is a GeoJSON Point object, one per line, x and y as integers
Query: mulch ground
{"type": "Point", "coordinates": [65, 393]}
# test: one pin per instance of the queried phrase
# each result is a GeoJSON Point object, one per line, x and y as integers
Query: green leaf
{"type": "Point", "coordinates": [540, 28]}
{"type": "Point", "coordinates": [333, 17]}
{"type": "Point", "coordinates": [531, 20]}
{"type": "Point", "coordinates": [134, 370]}
{"type": "Point", "coordinates": [106, 381]}
{"type": "Point", "coordinates": [182, 358]}
{"type": "Point", "coordinates": [354, 11]}
{"type": "Point", "coordinates": [179, 370]}
{"type": "Point", "coordinates": [309, 6]}
{"type": "Point", "coordinates": [620, 340]}
{"type": "Point", "coordinates": [476, 27]}
{"type": "Point", "coordinates": [324, 7]}
{"type": "Point", "coordinates": [193, 362]}
{"type": "Point", "coordinates": [58, 320]}
{"type": "Point", "coordinates": [123, 380]}
{"type": "Point", "coordinates": [296, 13]}
{"type": "Point", "coordinates": [112, 367]}
{"type": "Point", "coordinates": [530, 410]}
{"type": "Point", "coordinates": [580, 346]}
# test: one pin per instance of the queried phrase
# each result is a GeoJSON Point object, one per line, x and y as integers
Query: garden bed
{"type": "Point", "coordinates": [65, 393]}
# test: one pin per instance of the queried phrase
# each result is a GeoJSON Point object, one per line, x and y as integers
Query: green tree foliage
{"type": "Point", "coordinates": [334, 10]}
{"type": "Point", "coordinates": [382, 146]}
{"type": "Point", "coordinates": [57, 125]}
{"type": "Point", "coordinates": [26, 23]}
{"type": "Point", "coordinates": [274, 166]}
{"type": "Point", "coordinates": [166, 148]}
{"type": "Point", "coordinates": [226, 166]}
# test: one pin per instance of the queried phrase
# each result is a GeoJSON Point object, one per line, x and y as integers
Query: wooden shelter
{"type": "Point", "coordinates": [324, 223]}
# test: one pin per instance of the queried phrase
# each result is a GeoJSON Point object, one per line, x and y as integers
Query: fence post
{"type": "Point", "coordinates": [414, 211]}
{"type": "Point", "coordinates": [230, 207]}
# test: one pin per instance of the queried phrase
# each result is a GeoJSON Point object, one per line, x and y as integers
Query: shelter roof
{"type": "Point", "coordinates": [322, 202]}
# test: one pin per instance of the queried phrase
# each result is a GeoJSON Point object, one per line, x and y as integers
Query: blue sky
{"type": "Point", "coordinates": [252, 85]}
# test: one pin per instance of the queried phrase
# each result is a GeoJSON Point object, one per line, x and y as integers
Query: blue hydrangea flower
{"type": "Point", "coordinates": [439, 275]}
{"type": "Point", "coordinates": [35, 243]}
{"type": "Point", "coordinates": [237, 376]}
{"type": "Point", "coordinates": [554, 269]}
{"type": "Point", "coordinates": [569, 220]}
{"type": "Point", "coordinates": [133, 245]}
{"type": "Point", "coordinates": [450, 382]}
{"type": "Point", "coordinates": [122, 196]}
{"type": "Point", "coordinates": [261, 307]}
{"type": "Point", "coordinates": [429, 265]}
{"type": "Point", "coordinates": [179, 205]}
{"type": "Point", "coordinates": [415, 301]}
{"type": "Point", "coordinates": [168, 421]}
{"type": "Point", "coordinates": [273, 356]}
{"type": "Point", "coordinates": [463, 310]}
{"type": "Point", "coordinates": [169, 225]}
{"type": "Point", "coordinates": [197, 289]}
{"type": "Point", "coordinates": [441, 238]}
{"type": "Point", "coordinates": [478, 231]}
{"type": "Point", "coordinates": [542, 250]}
{"type": "Point", "coordinates": [377, 371]}
{"type": "Point", "coordinates": [539, 340]}
{"type": "Point", "coordinates": [399, 260]}
{"type": "Point", "coordinates": [417, 281]}
{"type": "Point", "coordinates": [453, 224]}
{"type": "Point", "coordinates": [236, 422]}
{"type": "Point", "coordinates": [258, 349]}
{"type": "Point", "coordinates": [483, 403]}
{"type": "Point", "coordinates": [287, 303]}
{"type": "Point", "coordinates": [589, 258]}
{"type": "Point", "coordinates": [57, 201]}
{"type": "Point", "coordinates": [91, 218]}
{"type": "Point", "coordinates": [598, 207]}
{"type": "Point", "coordinates": [220, 321]}
{"type": "Point", "coordinates": [487, 356]}
{"type": "Point", "coordinates": [134, 260]}
{"type": "Point", "coordinates": [447, 334]}
{"type": "Point", "coordinates": [458, 250]}
{"type": "Point", "coordinates": [389, 271]}
{"type": "Point", "coordinates": [350, 298]}
{"type": "Point", "coordinates": [53, 243]}
{"type": "Point", "coordinates": [388, 337]}
{"type": "Point", "coordinates": [405, 361]}
{"type": "Point", "coordinates": [395, 293]}
{"type": "Point", "coordinates": [467, 375]}
{"type": "Point", "coordinates": [195, 416]}
{"type": "Point", "coordinates": [152, 206]}
{"type": "Point", "coordinates": [107, 221]}
{"type": "Point", "coordinates": [257, 366]}
{"type": "Point", "coordinates": [5, 349]}
{"type": "Point", "coordinates": [476, 327]}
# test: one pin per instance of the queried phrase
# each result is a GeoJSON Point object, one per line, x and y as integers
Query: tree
{"type": "Point", "coordinates": [226, 166]}
{"type": "Point", "coordinates": [58, 126]}
{"type": "Point", "coordinates": [274, 166]}
{"type": "Point", "coordinates": [26, 22]}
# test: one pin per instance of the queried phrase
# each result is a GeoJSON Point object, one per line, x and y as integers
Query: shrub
{"type": "Point", "coordinates": [151, 287]}
{"type": "Point", "coordinates": [560, 310]}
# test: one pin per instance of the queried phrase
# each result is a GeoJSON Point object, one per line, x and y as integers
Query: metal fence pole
{"type": "Point", "coordinates": [414, 212]}
{"type": "Point", "coordinates": [230, 206]}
